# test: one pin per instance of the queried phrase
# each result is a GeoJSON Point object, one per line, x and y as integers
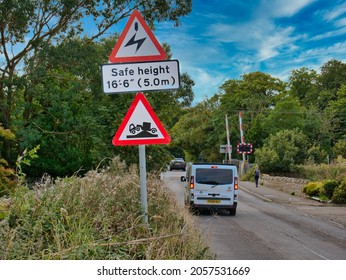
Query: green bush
{"type": "Point", "coordinates": [329, 187]}
{"type": "Point", "coordinates": [248, 176]}
{"type": "Point", "coordinates": [281, 151]}
{"type": "Point", "coordinates": [313, 189]}
{"type": "Point", "coordinates": [317, 155]}
{"type": "Point", "coordinates": [339, 195]}
{"type": "Point", "coordinates": [267, 159]}
{"type": "Point", "coordinates": [7, 178]}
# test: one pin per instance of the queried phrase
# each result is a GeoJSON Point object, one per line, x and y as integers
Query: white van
{"type": "Point", "coordinates": [213, 186]}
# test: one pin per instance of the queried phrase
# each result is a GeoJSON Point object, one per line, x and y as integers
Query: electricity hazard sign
{"type": "Point", "coordinates": [140, 126]}
{"type": "Point", "coordinates": [137, 43]}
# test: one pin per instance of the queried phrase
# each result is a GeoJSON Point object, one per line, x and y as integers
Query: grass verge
{"type": "Point", "coordinates": [98, 216]}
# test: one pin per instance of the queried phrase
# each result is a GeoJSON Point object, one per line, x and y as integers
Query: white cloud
{"type": "Point", "coordinates": [335, 13]}
{"type": "Point", "coordinates": [260, 36]}
{"type": "Point", "coordinates": [330, 51]}
{"type": "Point", "coordinates": [283, 8]}
{"type": "Point", "coordinates": [341, 22]}
{"type": "Point", "coordinates": [207, 82]}
{"type": "Point", "coordinates": [330, 34]}
{"type": "Point", "coordinates": [278, 39]}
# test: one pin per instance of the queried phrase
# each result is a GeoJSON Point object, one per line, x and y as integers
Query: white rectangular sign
{"type": "Point", "coordinates": [224, 149]}
{"type": "Point", "coordinates": [140, 76]}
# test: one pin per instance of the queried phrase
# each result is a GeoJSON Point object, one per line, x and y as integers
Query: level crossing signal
{"type": "Point", "coordinates": [244, 148]}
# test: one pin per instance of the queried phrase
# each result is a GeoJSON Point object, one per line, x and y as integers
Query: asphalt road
{"type": "Point", "coordinates": [266, 228]}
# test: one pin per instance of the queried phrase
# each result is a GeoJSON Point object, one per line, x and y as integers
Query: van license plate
{"type": "Point", "coordinates": [213, 201]}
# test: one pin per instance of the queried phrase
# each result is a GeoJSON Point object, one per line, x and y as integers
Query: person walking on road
{"type": "Point", "coordinates": [257, 175]}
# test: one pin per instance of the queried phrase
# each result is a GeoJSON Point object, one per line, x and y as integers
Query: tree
{"type": "Point", "coordinates": [64, 124]}
{"type": "Point", "coordinates": [282, 150]}
{"type": "Point", "coordinates": [64, 110]}
{"type": "Point", "coordinates": [303, 84]}
{"type": "Point", "coordinates": [191, 131]}
{"type": "Point", "coordinates": [338, 109]}
{"type": "Point", "coordinates": [317, 126]}
{"type": "Point", "coordinates": [255, 92]}
{"type": "Point", "coordinates": [27, 25]}
{"type": "Point", "coordinates": [339, 148]}
{"type": "Point", "coordinates": [257, 133]}
{"type": "Point", "coordinates": [287, 114]}
{"type": "Point", "coordinates": [333, 76]}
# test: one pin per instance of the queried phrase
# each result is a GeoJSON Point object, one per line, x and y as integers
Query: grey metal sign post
{"type": "Point", "coordinates": [143, 179]}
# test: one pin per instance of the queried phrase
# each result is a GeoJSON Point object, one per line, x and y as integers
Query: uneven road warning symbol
{"type": "Point", "coordinates": [140, 126]}
{"type": "Point", "coordinates": [137, 43]}
{"type": "Point", "coordinates": [144, 131]}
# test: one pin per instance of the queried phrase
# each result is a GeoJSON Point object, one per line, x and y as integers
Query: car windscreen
{"type": "Point", "coordinates": [214, 176]}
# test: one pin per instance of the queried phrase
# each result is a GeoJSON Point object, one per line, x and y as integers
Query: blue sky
{"type": "Point", "coordinates": [223, 39]}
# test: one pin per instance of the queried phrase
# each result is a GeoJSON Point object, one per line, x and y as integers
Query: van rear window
{"type": "Point", "coordinates": [214, 176]}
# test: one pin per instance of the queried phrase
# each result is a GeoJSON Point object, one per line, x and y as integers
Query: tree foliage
{"type": "Point", "coordinates": [287, 114]}
{"type": "Point", "coordinates": [338, 110]}
{"type": "Point", "coordinates": [282, 151]}
{"type": "Point", "coordinates": [255, 92]}
{"type": "Point", "coordinates": [304, 84]}
{"type": "Point", "coordinates": [287, 123]}
{"type": "Point", "coordinates": [191, 130]}
{"type": "Point", "coordinates": [7, 179]}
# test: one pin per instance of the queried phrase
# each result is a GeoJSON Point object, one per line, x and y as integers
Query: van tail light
{"type": "Point", "coordinates": [236, 186]}
{"type": "Point", "coordinates": [192, 182]}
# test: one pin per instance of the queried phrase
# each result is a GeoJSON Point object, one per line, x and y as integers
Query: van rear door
{"type": "Point", "coordinates": [214, 185]}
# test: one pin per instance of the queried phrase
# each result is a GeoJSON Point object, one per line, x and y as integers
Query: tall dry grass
{"type": "Point", "coordinates": [336, 171]}
{"type": "Point", "coordinates": [98, 216]}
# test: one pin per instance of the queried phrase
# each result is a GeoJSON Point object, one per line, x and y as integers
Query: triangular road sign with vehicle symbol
{"type": "Point", "coordinates": [140, 126]}
{"type": "Point", "coordinates": [137, 43]}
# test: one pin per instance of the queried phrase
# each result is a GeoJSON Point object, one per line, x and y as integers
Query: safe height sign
{"type": "Point", "coordinates": [140, 76]}
{"type": "Point", "coordinates": [142, 67]}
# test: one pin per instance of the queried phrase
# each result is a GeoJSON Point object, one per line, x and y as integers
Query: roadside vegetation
{"type": "Point", "coordinates": [327, 190]}
{"type": "Point", "coordinates": [327, 182]}
{"type": "Point", "coordinates": [97, 216]}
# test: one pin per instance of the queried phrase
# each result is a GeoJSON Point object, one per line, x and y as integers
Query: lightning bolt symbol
{"type": "Point", "coordinates": [132, 41]}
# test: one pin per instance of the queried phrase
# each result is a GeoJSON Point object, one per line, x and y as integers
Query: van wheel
{"type": "Point", "coordinates": [232, 212]}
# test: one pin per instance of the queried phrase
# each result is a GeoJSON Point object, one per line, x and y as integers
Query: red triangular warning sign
{"type": "Point", "coordinates": [140, 126]}
{"type": "Point", "coordinates": [137, 42]}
